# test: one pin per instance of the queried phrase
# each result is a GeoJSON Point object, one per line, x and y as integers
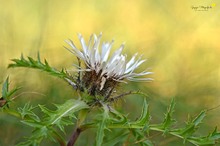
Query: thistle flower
{"type": "Point", "coordinates": [103, 71]}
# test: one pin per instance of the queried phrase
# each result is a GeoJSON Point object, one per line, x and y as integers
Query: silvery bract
{"type": "Point", "coordinates": [103, 71]}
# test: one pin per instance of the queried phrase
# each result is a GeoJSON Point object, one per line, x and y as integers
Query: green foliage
{"type": "Point", "coordinates": [7, 94]}
{"type": "Point", "coordinates": [44, 127]}
{"type": "Point", "coordinates": [101, 126]}
{"type": "Point", "coordinates": [38, 64]}
{"type": "Point", "coordinates": [142, 126]}
{"type": "Point", "coordinates": [117, 138]}
{"type": "Point", "coordinates": [105, 120]}
{"type": "Point", "coordinates": [168, 120]}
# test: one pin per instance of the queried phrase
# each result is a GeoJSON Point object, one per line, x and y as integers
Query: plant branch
{"type": "Point", "coordinates": [74, 136]}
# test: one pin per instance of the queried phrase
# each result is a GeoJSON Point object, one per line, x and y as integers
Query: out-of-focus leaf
{"type": "Point", "coordinates": [33, 123]}
{"type": "Point", "coordinates": [27, 112]}
{"type": "Point", "coordinates": [5, 88]}
{"type": "Point", "coordinates": [117, 138]}
{"type": "Point", "coordinates": [211, 139]}
{"type": "Point", "coordinates": [192, 126]}
{"type": "Point", "coordinates": [141, 138]}
{"type": "Point", "coordinates": [7, 94]}
{"type": "Point", "coordinates": [198, 119]}
{"type": "Point", "coordinates": [214, 135]}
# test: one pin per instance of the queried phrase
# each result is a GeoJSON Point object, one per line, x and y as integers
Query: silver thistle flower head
{"type": "Point", "coordinates": [103, 71]}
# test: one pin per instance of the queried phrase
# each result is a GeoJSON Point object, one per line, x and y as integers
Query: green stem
{"type": "Point", "coordinates": [12, 112]}
{"type": "Point", "coordinates": [130, 126]}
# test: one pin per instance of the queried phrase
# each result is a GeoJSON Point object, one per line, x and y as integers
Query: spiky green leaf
{"type": "Point", "coordinates": [192, 125]}
{"type": "Point", "coordinates": [117, 139]}
{"type": "Point", "coordinates": [145, 115]}
{"type": "Point", "coordinates": [27, 112]}
{"type": "Point", "coordinates": [168, 120]}
{"type": "Point", "coordinates": [60, 116]}
{"type": "Point", "coordinates": [7, 94]}
{"type": "Point", "coordinates": [101, 126]}
{"type": "Point", "coordinates": [5, 88]}
{"type": "Point", "coordinates": [37, 64]}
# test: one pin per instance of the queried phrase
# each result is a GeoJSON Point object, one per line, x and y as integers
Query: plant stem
{"type": "Point", "coordinates": [79, 129]}
{"type": "Point", "coordinates": [74, 137]}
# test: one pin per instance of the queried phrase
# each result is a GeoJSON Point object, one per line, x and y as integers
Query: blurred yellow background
{"type": "Point", "coordinates": [182, 44]}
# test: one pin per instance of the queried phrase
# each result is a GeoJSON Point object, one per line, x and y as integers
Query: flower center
{"type": "Point", "coordinates": [95, 84]}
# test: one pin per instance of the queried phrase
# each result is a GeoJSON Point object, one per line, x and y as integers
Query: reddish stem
{"type": "Point", "coordinates": [74, 137]}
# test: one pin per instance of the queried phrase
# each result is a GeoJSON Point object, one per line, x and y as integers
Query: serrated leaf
{"type": "Point", "coordinates": [140, 138]}
{"type": "Point", "coordinates": [33, 123]}
{"type": "Point", "coordinates": [29, 143]}
{"type": "Point", "coordinates": [116, 139]}
{"type": "Point", "coordinates": [63, 123]}
{"type": "Point", "coordinates": [145, 115]}
{"type": "Point", "coordinates": [46, 63]}
{"type": "Point", "coordinates": [32, 61]}
{"type": "Point", "coordinates": [27, 111]}
{"type": "Point", "coordinates": [11, 92]}
{"type": "Point", "coordinates": [37, 64]}
{"type": "Point", "coordinates": [119, 118]}
{"type": "Point", "coordinates": [46, 110]}
{"type": "Point", "coordinates": [5, 88]}
{"type": "Point", "coordinates": [38, 57]}
{"type": "Point", "coordinates": [192, 126]}
{"type": "Point", "coordinates": [6, 94]}
{"type": "Point", "coordinates": [67, 109]}
{"type": "Point", "coordinates": [200, 141]}
{"type": "Point", "coordinates": [188, 130]}
{"type": "Point", "coordinates": [168, 121]}
{"type": "Point", "coordinates": [41, 132]}
{"type": "Point", "coordinates": [214, 135]}
{"type": "Point", "coordinates": [101, 126]}
{"type": "Point", "coordinates": [199, 118]}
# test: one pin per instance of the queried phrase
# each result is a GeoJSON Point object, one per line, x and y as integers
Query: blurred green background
{"type": "Point", "coordinates": [181, 44]}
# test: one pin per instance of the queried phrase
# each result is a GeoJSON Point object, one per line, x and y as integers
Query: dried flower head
{"type": "Point", "coordinates": [103, 71]}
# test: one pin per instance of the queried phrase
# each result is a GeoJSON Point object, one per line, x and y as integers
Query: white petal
{"type": "Point", "coordinates": [84, 47]}
{"type": "Point", "coordinates": [106, 47]}
{"type": "Point", "coordinates": [97, 42]}
{"type": "Point", "coordinates": [71, 83]}
{"type": "Point", "coordinates": [116, 53]}
{"type": "Point", "coordinates": [74, 50]}
{"type": "Point", "coordinates": [140, 79]}
{"type": "Point", "coordinates": [131, 61]}
{"type": "Point", "coordinates": [135, 65]}
{"type": "Point", "coordinates": [90, 43]}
